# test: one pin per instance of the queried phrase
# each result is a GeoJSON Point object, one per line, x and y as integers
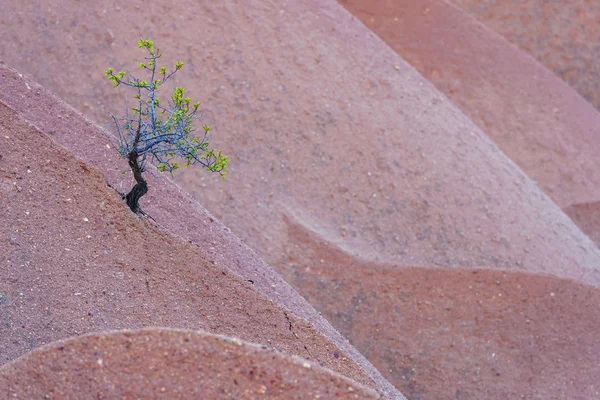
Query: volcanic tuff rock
{"type": "Point", "coordinates": [77, 261]}
{"type": "Point", "coordinates": [168, 364]}
{"type": "Point", "coordinates": [541, 123]}
{"type": "Point", "coordinates": [562, 36]}
{"type": "Point", "coordinates": [366, 188]}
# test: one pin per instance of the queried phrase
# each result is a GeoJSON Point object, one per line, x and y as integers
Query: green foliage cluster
{"type": "Point", "coordinates": [162, 134]}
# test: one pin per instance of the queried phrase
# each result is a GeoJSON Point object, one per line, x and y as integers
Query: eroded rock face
{"type": "Point", "coordinates": [331, 130]}
{"type": "Point", "coordinates": [587, 217]}
{"type": "Point", "coordinates": [77, 261]}
{"type": "Point", "coordinates": [492, 334]}
{"type": "Point", "coordinates": [168, 364]}
{"type": "Point", "coordinates": [326, 124]}
{"type": "Point", "coordinates": [540, 122]}
{"type": "Point", "coordinates": [563, 37]}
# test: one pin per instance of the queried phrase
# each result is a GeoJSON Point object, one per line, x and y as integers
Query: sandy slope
{"type": "Point", "coordinates": [562, 36]}
{"type": "Point", "coordinates": [326, 123]}
{"type": "Point", "coordinates": [441, 333]}
{"type": "Point", "coordinates": [168, 364]}
{"type": "Point", "coordinates": [331, 130]}
{"type": "Point", "coordinates": [541, 123]}
{"type": "Point", "coordinates": [76, 260]}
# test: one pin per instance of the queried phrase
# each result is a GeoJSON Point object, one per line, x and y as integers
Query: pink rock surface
{"type": "Point", "coordinates": [374, 158]}
{"type": "Point", "coordinates": [541, 123]}
{"type": "Point", "coordinates": [587, 217]}
{"type": "Point", "coordinates": [76, 260]}
{"type": "Point", "coordinates": [562, 36]}
{"type": "Point", "coordinates": [441, 333]}
{"type": "Point", "coordinates": [330, 130]}
{"type": "Point", "coordinates": [169, 364]}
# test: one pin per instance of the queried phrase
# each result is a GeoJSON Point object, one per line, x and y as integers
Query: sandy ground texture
{"type": "Point", "coordinates": [562, 36]}
{"type": "Point", "coordinates": [76, 260]}
{"type": "Point", "coordinates": [457, 333]}
{"type": "Point", "coordinates": [587, 217]}
{"type": "Point", "coordinates": [540, 122]}
{"type": "Point", "coordinates": [331, 132]}
{"type": "Point", "coordinates": [373, 158]}
{"type": "Point", "coordinates": [168, 364]}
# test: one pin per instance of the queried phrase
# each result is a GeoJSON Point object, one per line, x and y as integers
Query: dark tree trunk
{"type": "Point", "coordinates": [140, 188]}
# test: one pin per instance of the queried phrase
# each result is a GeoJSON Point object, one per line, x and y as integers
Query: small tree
{"type": "Point", "coordinates": [160, 134]}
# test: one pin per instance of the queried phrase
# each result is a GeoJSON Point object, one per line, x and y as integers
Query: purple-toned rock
{"type": "Point", "coordinates": [169, 364]}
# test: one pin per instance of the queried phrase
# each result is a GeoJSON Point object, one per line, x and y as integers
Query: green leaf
{"type": "Point", "coordinates": [163, 70]}
{"type": "Point", "coordinates": [177, 96]}
{"type": "Point", "coordinates": [147, 43]}
{"type": "Point", "coordinates": [178, 65]}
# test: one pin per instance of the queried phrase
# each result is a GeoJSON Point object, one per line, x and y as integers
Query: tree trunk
{"type": "Point", "coordinates": [140, 188]}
